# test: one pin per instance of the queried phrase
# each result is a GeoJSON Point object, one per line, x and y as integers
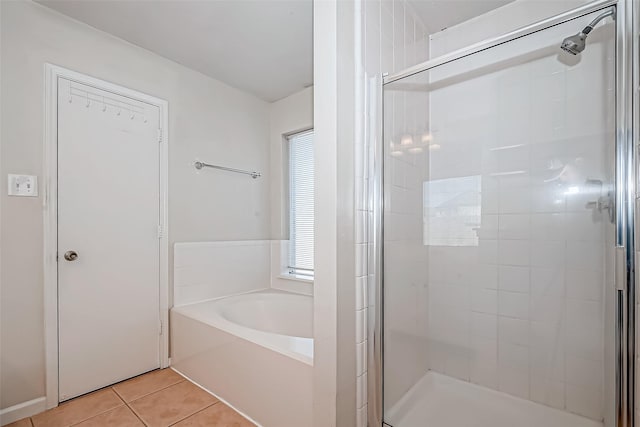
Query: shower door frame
{"type": "Point", "coordinates": [627, 105]}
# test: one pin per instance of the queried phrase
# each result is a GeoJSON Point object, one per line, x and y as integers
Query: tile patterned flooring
{"type": "Point", "coordinates": [157, 399]}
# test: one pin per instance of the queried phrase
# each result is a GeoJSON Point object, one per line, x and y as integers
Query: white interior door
{"type": "Point", "coordinates": [108, 214]}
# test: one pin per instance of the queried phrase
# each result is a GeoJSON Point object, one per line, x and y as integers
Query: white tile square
{"type": "Point", "coordinates": [361, 416]}
{"type": "Point", "coordinates": [484, 301]}
{"type": "Point", "coordinates": [584, 401]}
{"type": "Point", "coordinates": [361, 358]}
{"type": "Point", "coordinates": [484, 326]}
{"type": "Point", "coordinates": [360, 194]}
{"type": "Point", "coordinates": [548, 226]}
{"type": "Point", "coordinates": [513, 304]}
{"type": "Point", "coordinates": [516, 200]}
{"type": "Point", "coordinates": [547, 308]}
{"type": "Point", "coordinates": [361, 226]}
{"type": "Point", "coordinates": [514, 252]}
{"type": "Point", "coordinates": [587, 255]}
{"type": "Point", "coordinates": [514, 382]}
{"type": "Point", "coordinates": [488, 251]}
{"type": "Point", "coordinates": [584, 227]}
{"type": "Point", "coordinates": [490, 202]}
{"type": "Point", "coordinates": [584, 314]}
{"type": "Point", "coordinates": [513, 357]}
{"type": "Point", "coordinates": [361, 292]}
{"type": "Point", "coordinates": [484, 362]}
{"type": "Point", "coordinates": [514, 226]}
{"type": "Point", "coordinates": [458, 364]}
{"type": "Point", "coordinates": [548, 281]}
{"type": "Point", "coordinates": [547, 253]}
{"type": "Point", "coordinates": [488, 227]}
{"type": "Point", "coordinates": [547, 391]}
{"type": "Point", "coordinates": [514, 331]}
{"type": "Point", "coordinates": [547, 350]}
{"type": "Point", "coordinates": [361, 259]}
{"type": "Point", "coordinates": [584, 372]}
{"type": "Point", "coordinates": [361, 390]}
{"type": "Point", "coordinates": [584, 329]}
{"type": "Point", "coordinates": [485, 276]}
{"type": "Point", "coordinates": [585, 284]}
{"type": "Point", "coordinates": [547, 198]}
{"type": "Point", "coordinates": [512, 278]}
{"type": "Point", "coordinates": [361, 325]}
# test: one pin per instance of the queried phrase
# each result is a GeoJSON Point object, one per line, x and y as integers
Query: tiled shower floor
{"type": "Point", "coordinates": [438, 400]}
{"type": "Point", "coordinates": [158, 398]}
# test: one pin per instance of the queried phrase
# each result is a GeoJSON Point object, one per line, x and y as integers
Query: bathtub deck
{"type": "Point", "coordinates": [159, 397]}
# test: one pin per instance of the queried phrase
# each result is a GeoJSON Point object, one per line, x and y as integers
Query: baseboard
{"type": "Point", "coordinates": [22, 410]}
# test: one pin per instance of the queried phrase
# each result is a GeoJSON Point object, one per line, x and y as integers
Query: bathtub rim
{"type": "Point", "coordinates": [255, 336]}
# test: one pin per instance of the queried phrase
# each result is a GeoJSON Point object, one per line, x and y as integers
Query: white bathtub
{"type": "Point", "coordinates": [255, 351]}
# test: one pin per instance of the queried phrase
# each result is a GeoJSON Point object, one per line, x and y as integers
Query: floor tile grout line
{"type": "Point", "coordinates": [121, 398]}
{"type": "Point", "coordinates": [138, 416]}
{"type": "Point", "coordinates": [191, 415]}
{"type": "Point", "coordinates": [135, 414]}
{"type": "Point", "coordinates": [128, 404]}
{"type": "Point", "coordinates": [98, 414]}
{"type": "Point", "coordinates": [95, 415]}
{"type": "Point", "coordinates": [118, 394]}
{"type": "Point", "coordinates": [149, 394]}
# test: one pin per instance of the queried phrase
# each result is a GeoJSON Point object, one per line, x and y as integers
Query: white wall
{"type": "Point", "coordinates": [207, 120]}
{"type": "Point", "coordinates": [207, 270]}
{"type": "Point", "coordinates": [325, 125]}
{"type": "Point", "coordinates": [286, 116]}
{"type": "Point", "coordinates": [289, 115]}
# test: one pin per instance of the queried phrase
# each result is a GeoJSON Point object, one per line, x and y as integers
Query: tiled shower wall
{"type": "Point", "coordinates": [578, 387]}
{"type": "Point", "coordinates": [528, 316]}
{"type": "Point", "coordinates": [393, 38]}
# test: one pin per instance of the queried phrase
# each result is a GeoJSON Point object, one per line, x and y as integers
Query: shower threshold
{"type": "Point", "coordinates": [441, 401]}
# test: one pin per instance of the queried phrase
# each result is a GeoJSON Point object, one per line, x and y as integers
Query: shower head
{"type": "Point", "coordinates": [576, 44]}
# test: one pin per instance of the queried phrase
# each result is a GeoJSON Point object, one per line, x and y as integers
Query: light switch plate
{"type": "Point", "coordinates": [23, 185]}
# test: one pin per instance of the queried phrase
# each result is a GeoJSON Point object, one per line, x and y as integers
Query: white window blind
{"type": "Point", "coordinates": [301, 189]}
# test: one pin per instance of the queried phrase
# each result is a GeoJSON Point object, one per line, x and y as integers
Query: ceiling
{"type": "Point", "coordinates": [264, 47]}
{"type": "Point", "coordinates": [440, 14]}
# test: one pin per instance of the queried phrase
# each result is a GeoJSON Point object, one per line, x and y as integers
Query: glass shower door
{"type": "Point", "coordinates": [498, 237]}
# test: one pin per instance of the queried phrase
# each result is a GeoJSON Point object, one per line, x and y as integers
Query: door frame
{"type": "Point", "coordinates": [50, 216]}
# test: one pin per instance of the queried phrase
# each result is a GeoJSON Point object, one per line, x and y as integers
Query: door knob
{"type": "Point", "coordinates": [71, 255]}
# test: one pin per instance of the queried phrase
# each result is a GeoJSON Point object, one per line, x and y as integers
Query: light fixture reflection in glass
{"type": "Point", "coordinates": [572, 190]}
{"type": "Point", "coordinates": [406, 140]}
{"type": "Point", "coordinates": [426, 138]}
{"type": "Point", "coordinates": [507, 173]}
{"type": "Point", "coordinates": [434, 146]}
{"type": "Point", "coordinates": [415, 150]}
{"type": "Point", "coordinates": [396, 153]}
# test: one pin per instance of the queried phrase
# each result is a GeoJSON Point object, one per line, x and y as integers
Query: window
{"type": "Point", "coordinates": [301, 217]}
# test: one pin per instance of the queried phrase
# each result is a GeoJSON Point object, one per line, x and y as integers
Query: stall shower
{"type": "Point", "coordinates": [497, 240]}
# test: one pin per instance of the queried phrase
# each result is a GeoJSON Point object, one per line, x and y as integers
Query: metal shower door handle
{"type": "Point", "coordinates": [71, 255]}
